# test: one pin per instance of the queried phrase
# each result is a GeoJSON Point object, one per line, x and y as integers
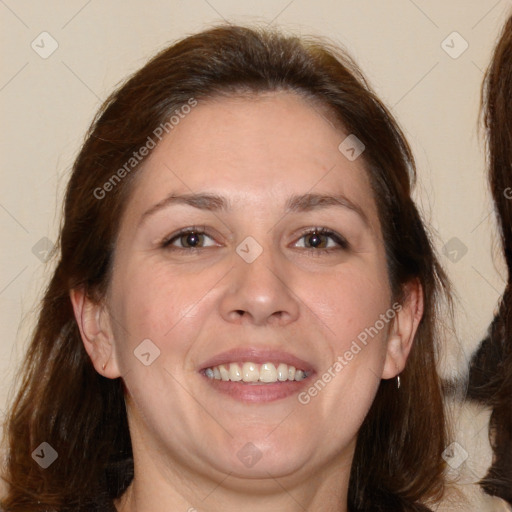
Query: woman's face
{"type": "Point", "coordinates": [257, 181]}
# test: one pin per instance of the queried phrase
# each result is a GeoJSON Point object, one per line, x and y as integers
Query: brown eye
{"type": "Point", "coordinates": [189, 239]}
{"type": "Point", "coordinates": [316, 240]}
{"type": "Point", "coordinates": [321, 240]}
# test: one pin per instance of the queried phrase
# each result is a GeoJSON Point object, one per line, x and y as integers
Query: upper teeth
{"type": "Point", "coordinates": [252, 372]}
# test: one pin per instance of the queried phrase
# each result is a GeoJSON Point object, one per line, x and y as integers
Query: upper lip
{"type": "Point", "coordinates": [258, 356]}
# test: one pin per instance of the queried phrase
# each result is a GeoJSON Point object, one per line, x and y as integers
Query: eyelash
{"type": "Point", "coordinates": [197, 230]}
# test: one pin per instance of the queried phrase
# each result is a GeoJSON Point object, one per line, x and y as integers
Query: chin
{"type": "Point", "coordinates": [263, 458]}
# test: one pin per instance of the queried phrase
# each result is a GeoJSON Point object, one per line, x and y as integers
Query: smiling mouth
{"type": "Point", "coordinates": [253, 373]}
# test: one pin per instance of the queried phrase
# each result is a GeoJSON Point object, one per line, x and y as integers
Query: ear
{"type": "Point", "coordinates": [93, 320]}
{"type": "Point", "coordinates": [403, 329]}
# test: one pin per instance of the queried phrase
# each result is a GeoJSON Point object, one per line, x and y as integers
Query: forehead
{"type": "Point", "coordinates": [257, 151]}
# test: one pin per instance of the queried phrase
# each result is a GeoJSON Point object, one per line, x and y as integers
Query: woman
{"type": "Point", "coordinates": [490, 380]}
{"type": "Point", "coordinates": [243, 278]}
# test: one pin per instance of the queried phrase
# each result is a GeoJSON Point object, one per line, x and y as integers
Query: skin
{"type": "Point", "coordinates": [193, 304]}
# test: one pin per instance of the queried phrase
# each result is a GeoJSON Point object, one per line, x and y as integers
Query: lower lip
{"type": "Point", "coordinates": [252, 392]}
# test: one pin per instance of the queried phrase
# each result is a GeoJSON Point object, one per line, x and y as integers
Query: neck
{"type": "Point", "coordinates": [155, 495]}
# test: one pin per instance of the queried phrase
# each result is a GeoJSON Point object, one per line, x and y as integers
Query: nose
{"type": "Point", "coordinates": [260, 292]}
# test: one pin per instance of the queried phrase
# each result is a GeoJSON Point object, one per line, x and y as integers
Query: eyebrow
{"type": "Point", "coordinates": [296, 203]}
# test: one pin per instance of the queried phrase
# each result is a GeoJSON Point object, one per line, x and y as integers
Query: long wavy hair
{"type": "Point", "coordinates": [490, 378]}
{"type": "Point", "coordinates": [398, 464]}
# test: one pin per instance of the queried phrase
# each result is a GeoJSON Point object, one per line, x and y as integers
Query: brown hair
{"type": "Point", "coordinates": [490, 378]}
{"type": "Point", "coordinates": [64, 401]}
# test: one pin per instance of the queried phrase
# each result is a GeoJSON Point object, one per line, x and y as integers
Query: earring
{"type": "Point", "coordinates": [104, 366]}
{"type": "Point", "coordinates": [398, 382]}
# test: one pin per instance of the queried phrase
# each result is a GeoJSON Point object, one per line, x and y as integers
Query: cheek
{"type": "Point", "coordinates": [150, 302]}
{"type": "Point", "coordinates": [349, 307]}
{"type": "Point", "coordinates": [348, 301]}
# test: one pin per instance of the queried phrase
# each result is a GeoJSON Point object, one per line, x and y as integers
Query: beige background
{"type": "Point", "coordinates": [47, 104]}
